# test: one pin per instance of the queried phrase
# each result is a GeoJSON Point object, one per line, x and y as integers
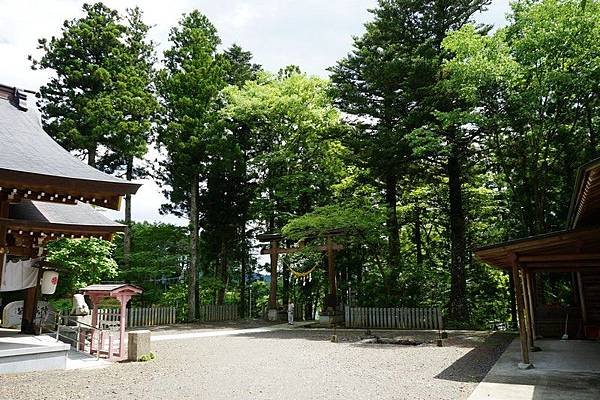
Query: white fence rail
{"type": "Point", "coordinates": [225, 312]}
{"type": "Point", "coordinates": [108, 318]}
{"type": "Point", "coordinates": [397, 318]}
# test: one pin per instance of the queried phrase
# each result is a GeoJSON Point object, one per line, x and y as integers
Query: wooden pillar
{"type": "Point", "coordinates": [521, 312]}
{"type": "Point", "coordinates": [4, 205]}
{"type": "Point", "coordinates": [273, 289]}
{"type": "Point", "coordinates": [582, 300]}
{"type": "Point", "coordinates": [123, 299]}
{"type": "Point", "coordinates": [331, 267]}
{"type": "Point", "coordinates": [29, 309]}
{"type": "Point", "coordinates": [529, 308]}
{"type": "Point", "coordinates": [95, 302]}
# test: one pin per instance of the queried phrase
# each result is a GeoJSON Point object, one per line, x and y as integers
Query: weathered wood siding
{"type": "Point", "coordinates": [395, 318]}
{"type": "Point", "coordinates": [108, 318]}
{"type": "Point", "coordinates": [225, 312]}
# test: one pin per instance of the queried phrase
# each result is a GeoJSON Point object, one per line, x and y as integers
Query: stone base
{"type": "Point", "coordinates": [138, 344]}
{"type": "Point", "coordinates": [272, 314]}
{"type": "Point", "coordinates": [331, 317]}
{"type": "Point", "coordinates": [525, 366]}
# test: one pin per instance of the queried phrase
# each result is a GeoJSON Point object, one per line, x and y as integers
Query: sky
{"type": "Point", "coordinates": [312, 34]}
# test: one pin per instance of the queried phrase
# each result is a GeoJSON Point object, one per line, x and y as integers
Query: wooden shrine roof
{"type": "Point", "coordinates": [33, 165]}
{"type": "Point", "coordinates": [568, 249]}
{"type": "Point", "coordinates": [80, 215]}
{"type": "Point", "coordinates": [111, 288]}
{"type": "Point", "coordinates": [585, 202]}
{"type": "Point", "coordinates": [31, 224]}
{"type": "Point", "coordinates": [576, 247]}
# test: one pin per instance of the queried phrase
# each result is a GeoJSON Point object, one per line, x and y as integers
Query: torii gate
{"type": "Point", "coordinates": [330, 304]}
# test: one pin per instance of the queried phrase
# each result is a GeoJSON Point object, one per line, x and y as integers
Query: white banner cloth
{"type": "Point", "coordinates": [18, 275]}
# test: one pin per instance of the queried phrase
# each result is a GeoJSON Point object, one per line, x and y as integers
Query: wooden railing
{"type": "Point", "coordinates": [396, 318]}
{"type": "Point", "coordinates": [225, 312]}
{"type": "Point", "coordinates": [108, 318]}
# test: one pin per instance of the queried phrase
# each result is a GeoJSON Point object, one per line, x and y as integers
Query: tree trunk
{"type": "Point", "coordinates": [193, 272]}
{"type": "Point", "coordinates": [243, 269]}
{"type": "Point", "coordinates": [392, 225]}
{"type": "Point", "coordinates": [285, 276]}
{"type": "Point", "coordinates": [458, 284]}
{"type": "Point", "coordinates": [127, 237]}
{"type": "Point", "coordinates": [418, 237]}
{"type": "Point", "coordinates": [223, 267]}
{"type": "Point", "coordinates": [92, 150]}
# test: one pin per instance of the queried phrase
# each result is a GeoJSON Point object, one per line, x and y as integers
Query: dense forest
{"type": "Point", "coordinates": [433, 136]}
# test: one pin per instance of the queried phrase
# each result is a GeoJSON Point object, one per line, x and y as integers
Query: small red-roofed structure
{"type": "Point", "coordinates": [123, 292]}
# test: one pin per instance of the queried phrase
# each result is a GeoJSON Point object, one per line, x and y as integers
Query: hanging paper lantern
{"type": "Point", "coordinates": [49, 282]}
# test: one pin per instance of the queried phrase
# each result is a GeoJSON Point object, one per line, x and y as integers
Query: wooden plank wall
{"type": "Point", "coordinates": [224, 312]}
{"type": "Point", "coordinates": [108, 318]}
{"type": "Point", "coordinates": [425, 318]}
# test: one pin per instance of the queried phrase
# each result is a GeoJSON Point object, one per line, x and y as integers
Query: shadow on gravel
{"type": "Point", "coordinates": [473, 366]}
{"type": "Point", "coordinates": [465, 339]}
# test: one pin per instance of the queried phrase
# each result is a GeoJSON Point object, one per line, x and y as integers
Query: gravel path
{"type": "Point", "coordinates": [291, 364]}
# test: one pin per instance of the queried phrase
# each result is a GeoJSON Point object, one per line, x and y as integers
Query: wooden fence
{"type": "Point", "coordinates": [137, 316]}
{"type": "Point", "coordinates": [398, 318]}
{"type": "Point", "coordinates": [225, 312]}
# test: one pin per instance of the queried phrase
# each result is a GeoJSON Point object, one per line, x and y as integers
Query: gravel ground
{"type": "Point", "coordinates": [290, 364]}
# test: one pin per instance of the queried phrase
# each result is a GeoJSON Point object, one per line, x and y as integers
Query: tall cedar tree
{"type": "Point", "coordinates": [188, 86]}
{"type": "Point", "coordinates": [226, 194]}
{"type": "Point", "coordinates": [135, 105]}
{"type": "Point", "coordinates": [387, 85]}
{"type": "Point", "coordinates": [76, 104]}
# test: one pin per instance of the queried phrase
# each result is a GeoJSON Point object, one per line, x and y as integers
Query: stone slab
{"type": "Point", "coordinates": [138, 344]}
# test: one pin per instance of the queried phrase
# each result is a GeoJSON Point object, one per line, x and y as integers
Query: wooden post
{"type": "Point", "coordinates": [273, 289]}
{"type": "Point", "coordinates": [4, 206]}
{"type": "Point", "coordinates": [331, 267]}
{"type": "Point", "coordinates": [29, 310]}
{"type": "Point", "coordinates": [521, 312]}
{"type": "Point", "coordinates": [123, 299]}
{"type": "Point", "coordinates": [582, 300]}
{"type": "Point", "coordinates": [529, 285]}
{"type": "Point", "coordinates": [528, 311]}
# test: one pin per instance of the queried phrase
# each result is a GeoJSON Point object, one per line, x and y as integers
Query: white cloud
{"type": "Point", "coordinates": [310, 33]}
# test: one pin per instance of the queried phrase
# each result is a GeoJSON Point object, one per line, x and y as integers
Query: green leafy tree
{"type": "Point", "coordinates": [159, 255]}
{"type": "Point", "coordinates": [290, 122]}
{"type": "Point", "coordinates": [81, 262]}
{"type": "Point", "coordinates": [188, 86]}
{"type": "Point", "coordinates": [101, 100]}
{"type": "Point", "coordinates": [387, 86]}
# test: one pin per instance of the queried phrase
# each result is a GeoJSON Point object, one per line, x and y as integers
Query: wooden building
{"type": "Point", "coordinates": [45, 192]}
{"type": "Point", "coordinates": [557, 275]}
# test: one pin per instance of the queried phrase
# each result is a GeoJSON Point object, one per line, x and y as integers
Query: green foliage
{"type": "Point", "coordinates": [81, 262]}
{"type": "Point", "coordinates": [176, 296]}
{"type": "Point", "coordinates": [99, 97]}
{"type": "Point", "coordinates": [159, 254]}
{"type": "Point", "coordinates": [147, 357]}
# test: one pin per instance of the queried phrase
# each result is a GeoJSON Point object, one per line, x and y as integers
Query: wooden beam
{"type": "Point", "coordinates": [559, 257]}
{"type": "Point", "coordinates": [564, 266]}
{"type": "Point", "coordinates": [520, 309]}
{"type": "Point", "coordinates": [530, 308]}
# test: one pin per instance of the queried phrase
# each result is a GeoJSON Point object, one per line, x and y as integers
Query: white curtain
{"type": "Point", "coordinates": [18, 275]}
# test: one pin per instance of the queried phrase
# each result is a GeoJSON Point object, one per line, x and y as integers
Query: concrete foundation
{"type": "Point", "coordinates": [25, 353]}
{"type": "Point", "coordinates": [564, 370]}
